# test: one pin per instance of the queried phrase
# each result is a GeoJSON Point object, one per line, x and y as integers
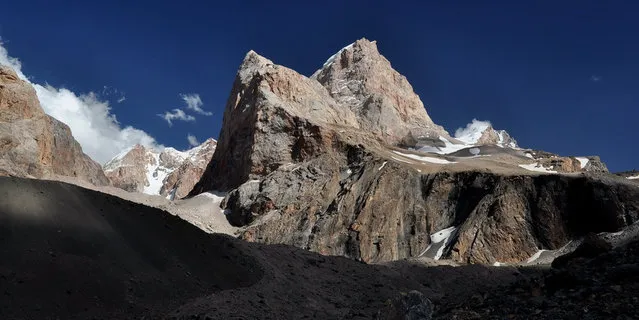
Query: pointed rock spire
{"type": "Point", "coordinates": [359, 77]}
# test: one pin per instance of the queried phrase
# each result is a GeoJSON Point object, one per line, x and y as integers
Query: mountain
{"type": "Point", "coordinates": [315, 163]}
{"type": "Point", "coordinates": [167, 172]}
{"type": "Point", "coordinates": [34, 144]}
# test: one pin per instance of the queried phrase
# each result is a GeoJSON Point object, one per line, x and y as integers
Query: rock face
{"type": "Point", "coordinates": [274, 116]}
{"type": "Point", "coordinates": [310, 167]}
{"type": "Point", "coordinates": [34, 144]}
{"type": "Point", "coordinates": [166, 172]}
{"type": "Point", "coordinates": [364, 212]}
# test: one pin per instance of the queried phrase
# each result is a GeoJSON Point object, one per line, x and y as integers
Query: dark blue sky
{"type": "Point", "coordinates": [526, 67]}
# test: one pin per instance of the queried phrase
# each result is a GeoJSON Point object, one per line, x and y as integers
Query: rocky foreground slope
{"type": "Point", "coordinates": [34, 144]}
{"type": "Point", "coordinates": [349, 163]}
{"type": "Point", "coordinates": [95, 256]}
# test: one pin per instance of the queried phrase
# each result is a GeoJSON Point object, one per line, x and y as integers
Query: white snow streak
{"type": "Point", "coordinates": [382, 166]}
{"type": "Point", "coordinates": [536, 167]}
{"type": "Point", "coordinates": [423, 158]}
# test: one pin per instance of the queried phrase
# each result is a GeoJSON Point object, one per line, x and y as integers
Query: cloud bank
{"type": "Point", "coordinates": [91, 121]}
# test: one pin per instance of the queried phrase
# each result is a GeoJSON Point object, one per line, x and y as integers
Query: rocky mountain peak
{"type": "Point", "coordinates": [359, 77]}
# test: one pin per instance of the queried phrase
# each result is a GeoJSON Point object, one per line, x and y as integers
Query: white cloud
{"type": "Point", "coordinates": [122, 98]}
{"type": "Point", "coordinates": [91, 121]}
{"type": "Point", "coordinates": [192, 140]}
{"type": "Point", "coordinates": [194, 102]}
{"type": "Point", "coordinates": [177, 114]}
{"type": "Point", "coordinates": [472, 128]}
{"type": "Point", "coordinates": [595, 78]}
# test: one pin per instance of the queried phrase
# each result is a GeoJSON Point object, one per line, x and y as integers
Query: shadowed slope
{"type": "Point", "coordinates": [77, 253]}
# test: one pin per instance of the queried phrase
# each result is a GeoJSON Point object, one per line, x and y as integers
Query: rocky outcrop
{"type": "Point", "coordinates": [34, 144]}
{"type": "Point", "coordinates": [305, 166]}
{"type": "Point", "coordinates": [159, 172]}
{"type": "Point", "coordinates": [559, 163]}
{"type": "Point", "coordinates": [501, 138]}
{"type": "Point", "coordinates": [632, 176]}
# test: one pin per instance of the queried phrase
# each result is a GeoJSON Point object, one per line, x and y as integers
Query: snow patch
{"type": "Point", "coordinates": [583, 161]}
{"type": "Point", "coordinates": [217, 198]}
{"type": "Point", "coordinates": [448, 147]}
{"type": "Point", "coordinates": [439, 241]}
{"type": "Point", "coordinates": [155, 175]}
{"type": "Point", "coordinates": [529, 155]}
{"type": "Point", "coordinates": [382, 166]}
{"type": "Point", "coordinates": [536, 167]}
{"type": "Point", "coordinates": [474, 151]}
{"type": "Point", "coordinates": [535, 256]}
{"type": "Point", "coordinates": [633, 177]}
{"type": "Point", "coordinates": [424, 158]}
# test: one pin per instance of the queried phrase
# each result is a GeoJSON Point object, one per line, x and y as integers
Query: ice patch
{"type": "Point", "coordinates": [423, 158]}
{"type": "Point", "coordinates": [382, 166]}
{"type": "Point", "coordinates": [474, 151]}
{"type": "Point", "coordinates": [583, 161]}
{"type": "Point", "coordinates": [536, 167]}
